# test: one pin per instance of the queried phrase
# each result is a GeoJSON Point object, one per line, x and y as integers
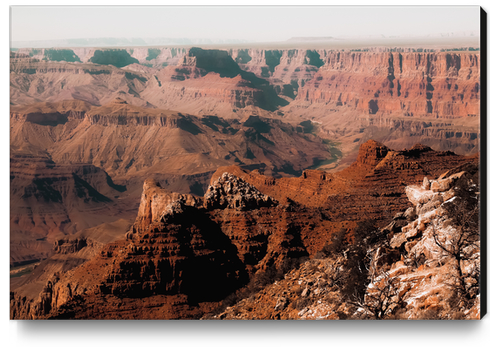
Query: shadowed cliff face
{"type": "Point", "coordinates": [247, 224]}
{"type": "Point", "coordinates": [49, 200]}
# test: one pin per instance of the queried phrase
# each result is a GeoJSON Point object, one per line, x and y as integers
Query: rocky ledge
{"type": "Point", "coordinates": [230, 191]}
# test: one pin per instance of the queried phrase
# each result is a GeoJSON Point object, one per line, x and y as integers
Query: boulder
{"type": "Point", "coordinates": [413, 232]}
{"type": "Point", "coordinates": [398, 240]}
{"type": "Point", "coordinates": [410, 245]}
{"type": "Point", "coordinates": [417, 195]}
{"type": "Point", "coordinates": [410, 214]}
{"type": "Point", "coordinates": [434, 203]}
{"type": "Point", "coordinates": [448, 195]}
{"type": "Point", "coordinates": [444, 184]}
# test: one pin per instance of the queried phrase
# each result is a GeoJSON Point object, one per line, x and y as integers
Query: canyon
{"type": "Point", "coordinates": [189, 183]}
{"type": "Point", "coordinates": [72, 156]}
{"type": "Point", "coordinates": [184, 254]}
{"type": "Point", "coordinates": [400, 96]}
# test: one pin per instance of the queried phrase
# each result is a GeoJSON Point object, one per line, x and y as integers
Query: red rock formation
{"type": "Point", "coordinates": [439, 85]}
{"type": "Point", "coordinates": [201, 250]}
{"type": "Point", "coordinates": [374, 181]}
{"type": "Point", "coordinates": [154, 201]}
{"type": "Point", "coordinates": [398, 98]}
{"type": "Point", "coordinates": [410, 274]}
{"type": "Point", "coordinates": [56, 140]}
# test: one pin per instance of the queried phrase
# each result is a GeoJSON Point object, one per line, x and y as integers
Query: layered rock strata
{"type": "Point", "coordinates": [438, 85]}
{"type": "Point", "coordinates": [184, 254]}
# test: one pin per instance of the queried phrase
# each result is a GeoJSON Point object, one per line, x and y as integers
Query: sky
{"type": "Point", "coordinates": [251, 23]}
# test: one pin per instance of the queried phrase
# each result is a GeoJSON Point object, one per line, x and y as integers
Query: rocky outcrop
{"type": "Point", "coordinates": [419, 267]}
{"type": "Point", "coordinates": [438, 275]}
{"type": "Point", "coordinates": [371, 153]}
{"type": "Point", "coordinates": [375, 179]}
{"type": "Point", "coordinates": [177, 248]}
{"type": "Point", "coordinates": [155, 202]}
{"type": "Point", "coordinates": [62, 246]}
{"type": "Point", "coordinates": [303, 293]}
{"type": "Point", "coordinates": [232, 192]}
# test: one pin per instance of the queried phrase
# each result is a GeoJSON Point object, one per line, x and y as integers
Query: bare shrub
{"type": "Point", "coordinates": [464, 215]}
{"type": "Point", "coordinates": [380, 298]}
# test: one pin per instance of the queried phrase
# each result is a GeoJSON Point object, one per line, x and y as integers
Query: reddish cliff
{"type": "Point", "coordinates": [376, 179]}
{"type": "Point", "coordinates": [439, 85]}
{"type": "Point", "coordinates": [399, 98]}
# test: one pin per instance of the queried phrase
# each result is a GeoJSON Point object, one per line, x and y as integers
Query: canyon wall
{"type": "Point", "coordinates": [438, 85]}
{"type": "Point", "coordinates": [394, 95]}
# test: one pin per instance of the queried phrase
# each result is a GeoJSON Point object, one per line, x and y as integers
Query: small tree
{"type": "Point", "coordinates": [464, 241]}
{"type": "Point", "coordinates": [381, 295]}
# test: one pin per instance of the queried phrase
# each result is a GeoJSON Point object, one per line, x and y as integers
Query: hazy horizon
{"type": "Point", "coordinates": [227, 24]}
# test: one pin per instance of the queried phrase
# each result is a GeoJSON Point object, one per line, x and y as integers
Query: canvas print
{"type": "Point", "coordinates": [305, 163]}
